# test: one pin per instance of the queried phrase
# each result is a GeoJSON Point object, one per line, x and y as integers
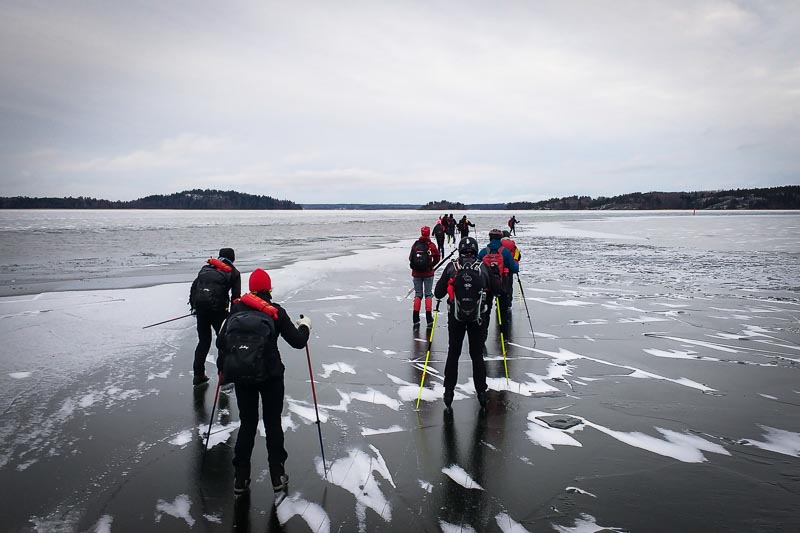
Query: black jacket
{"type": "Point", "coordinates": [296, 337]}
{"type": "Point", "coordinates": [440, 290]}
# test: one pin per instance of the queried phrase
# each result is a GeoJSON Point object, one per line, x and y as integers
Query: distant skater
{"type": "Point", "coordinates": [463, 226]}
{"type": "Point", "coordinates": [451, 229]}
{"type": "Point", "coordinates": [438, 232]}
{"type": "Point", "coordinates": [511, 246]}
{"type": "Point", "coordinates": [512, 224]}
{"type": "Point", "coordinates": [466, 282]}
{"type": "Point", "coordinates": [423, 257]}
{"type": "Point", "coordinates": [209, 300]}
{"type": "Point", "coordinates": [249, 357]}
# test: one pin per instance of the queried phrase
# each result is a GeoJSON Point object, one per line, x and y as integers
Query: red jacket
{"type": "Point", "coordinates": [434, 256]}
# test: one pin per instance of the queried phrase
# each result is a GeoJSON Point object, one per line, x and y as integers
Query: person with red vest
{"type": "Point", "coordinates": [257, 322]}
{"type": "Point", "coordinates": [503, 266]}
{"type": "Point", "coordinates": [511, 246]}
{"type": "Point", "coordinates": [209, 300]}
{"type": "Point", "coordinates": [423, 257]}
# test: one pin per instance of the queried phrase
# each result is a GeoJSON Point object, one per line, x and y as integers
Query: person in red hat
{"type": "Point", "coordinates": [249, 357]}
{"type": "Point", "coordinates": [423, 257]}
{"type": "Point", "coordinates": [209, 300]}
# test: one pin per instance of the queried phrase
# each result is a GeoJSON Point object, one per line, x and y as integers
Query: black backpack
{"type": "Point", "coordinates": [247, 359]}
{"type": "Point", "coordinates": [210, 289]}
{"type": "Point", "coordinates": [420, 257]}
{"type": "Point", "coordinates": [469, 286]}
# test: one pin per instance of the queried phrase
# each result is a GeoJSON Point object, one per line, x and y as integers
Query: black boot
{"type": "Point", "coordinates": [429, 317]}
{"type": "Point", "coordinates": [448, 398]}
{"type": "Point", "coordinates": [415, 318]}
{"type": "Point", "coordinates": [241, 481]}
{"type": "Point", "coordinates": [199, 379]}
{"type": "Point", "coordinates": [280, 479]}
{"type": "Point", "coordinates": [483, 399]}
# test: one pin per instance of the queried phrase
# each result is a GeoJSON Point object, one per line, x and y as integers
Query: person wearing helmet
{"type": "Point", "coordinates": [503, 266]}
{"type": "Point", "coordinates": [423, 257]}
{"type": "Point", "coordinates": [465, 281]}
{"type": "Point", "coordinates": [451, 229]}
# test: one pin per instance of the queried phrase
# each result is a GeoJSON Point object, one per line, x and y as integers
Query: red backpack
{"type": "Point", "coordinates": [494, 260]}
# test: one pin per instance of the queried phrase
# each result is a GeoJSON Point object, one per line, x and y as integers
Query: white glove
{"type": "Point", "coordinates": [304, 321]}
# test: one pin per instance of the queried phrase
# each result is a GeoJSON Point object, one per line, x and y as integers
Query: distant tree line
{"type": "Point", "coordinates": [443, 205]}
{"type": "Point", "coordinates": [194, 199]}
{"type": "Point", "coordinates": [787, 197]}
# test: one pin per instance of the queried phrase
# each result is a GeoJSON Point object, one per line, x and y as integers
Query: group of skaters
{"type": "Point", "coordinates": [472, 283]}
{"type": "Point", "coordinates": [248, 327]}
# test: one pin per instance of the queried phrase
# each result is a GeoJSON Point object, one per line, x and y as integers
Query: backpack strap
{"type": "Point", "coordinates": [219, 265]}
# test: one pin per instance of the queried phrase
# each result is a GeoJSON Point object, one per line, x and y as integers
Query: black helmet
{"type": "Point", "coordinates": [228, 254]}
{"type": "Point", "coordinates": [495, 235]}
{"type": "Point", "coordinates": [468, 246]}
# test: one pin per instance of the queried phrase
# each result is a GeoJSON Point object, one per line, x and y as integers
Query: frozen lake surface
{"type": "Point", "coordinates": [667, 344]}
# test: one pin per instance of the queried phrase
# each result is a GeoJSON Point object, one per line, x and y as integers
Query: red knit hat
{"type": "Point", "coordinates": [425, 231]}
{"type": "Point", "coordinates": [260, 281]}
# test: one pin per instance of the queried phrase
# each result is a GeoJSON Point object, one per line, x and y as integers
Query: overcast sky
{"type": "Point", "coordinates": [406, 102]}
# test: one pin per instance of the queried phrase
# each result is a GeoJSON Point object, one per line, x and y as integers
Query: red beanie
{"type": "Point", "coordinates": [425, 231]}
{"type": "Point", "coordinates": [260, 281]}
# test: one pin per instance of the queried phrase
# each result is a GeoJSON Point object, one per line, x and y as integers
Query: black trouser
{"type": "Point", "coordinates": [247, 395]}
{"type": "Point", "coordinates": [505, 303]}
{"type": "Point", "coordinates": [456, 331]}
{"type": "Point", "coordinates": [440, 244]}
{"type": "Point", "coordinates": [205, 321]}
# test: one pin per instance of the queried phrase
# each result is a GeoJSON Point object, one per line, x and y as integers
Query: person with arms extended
{"type": "Point", "coordinates": [249, 357]}
{"type": "Point", "coordinates": [209, 300]}
{"type": "Point", "coordinates": [463, 226]}
{"type": "Point", "coordinates": [423, 257]}
{"type": "Point", "coordinates": [466, 282]}
{"type": "Point", "coordinates": [512, 224]}
{"type": "Point", "coordinates": [502, 266]}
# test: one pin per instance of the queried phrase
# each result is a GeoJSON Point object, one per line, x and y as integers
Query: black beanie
{"type": "Point", "coordinates": [228, 254]}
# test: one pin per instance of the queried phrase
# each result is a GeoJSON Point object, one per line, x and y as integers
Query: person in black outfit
{"type": "Point", "coordinates": [270, 389]}
{"type": "Point", "coordinates": [217, 278]}
{"type": "Point", "coordinates": [439, 232]}
{"type": "Point", "coordinates": [463, 226]}
{"type": "Point", "coordinates": [467, 254]}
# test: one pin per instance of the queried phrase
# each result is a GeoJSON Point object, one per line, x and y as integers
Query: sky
{"type": "Point", "coordinates": [401, 102]}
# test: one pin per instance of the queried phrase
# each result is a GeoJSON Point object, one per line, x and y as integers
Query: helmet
{"type": "Point", "coordinates": [506, 233]}
{"type": "Point", "coordinates": [495, 234]}
{"type": "Point", "coordinates": [425, 231]}
{"type": "Point", "coordinates": [468, 246]}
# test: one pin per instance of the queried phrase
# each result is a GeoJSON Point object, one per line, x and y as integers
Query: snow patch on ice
{"type": "Point", "coordinates": [563, 303]}
{"type": "Point", "coordinates": [641, 318]}
{"type": "Point", "coordinates": [344, 368]}
{"type": "Point", "coordinates": [20, 375]}
{"type": "Point", "coordinates": [376, 397]}
{"type": "Point", "coordinates": [508, 525]}
{"type": "Point", "coordinates": [342, 297]}
{"type": "Point", "coordinates": [103, 524]}
{"type": "Point", "coordinates": [366, 317]}
{"type": "Point", "coordinates": [545, 436]}
{"type": "Point", "coordinates": [460, 476]}
{"type": "Point", "coordinates": [447, 527]}
{"type": "Point", "coordinates": [579, 491]}
{"type": "Point", "coordinates": [427, 487]}
{"type": "Point", "coordinates": [393, 429]}
{"type": "Point", "coordinates": [354, 474]}
{"type": "Point", "coordinates": [162, 375]}
{"type": "Point", "coordinates": [585, 524]}
{"type": "Point", "coordinates": [179, 509]}
{"type": "Point", "coordinates": [777, 440]}
{"type": "Point", "coordinates": [314, 515]}
{"type": "Point", "coordinates": [213, 518]}
{"type": "Point", "coordinates": [389, 352]}
{"type": "Point", "coordinates": [768, 396]}
{"type": "Point", "coordinates": [308, 414]}
{"type": "Point", "coordinates": [356, 348]}
{"type": "Point", "coordinates": [287, 423]}
{"type": "Point", "coordinates": [219, 433]}
{"type": "Point", "coordinates": [182, 438]}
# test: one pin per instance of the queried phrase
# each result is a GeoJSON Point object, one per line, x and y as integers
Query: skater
{"type": "Point", "coordinates": [502, 266]}
{"type": "Point", "coordinates": [511, 246]}
{"type": "Point", "coordinates": [423, 257]}
{"type": "Point", "coordinates": [438, 232]}
{"type": "Point", "coordinates": [512, 224]}
{"type": "Point", "coordinates": [451, 229]}
{"type": "Point", "coordinates": [249, 357]}
{"type": "Point", "coordinates": [209, 300]}
{"type": "Point", "coordinates": [466, 282]}
{"type": "Point", "coordinates": [464, 225]}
